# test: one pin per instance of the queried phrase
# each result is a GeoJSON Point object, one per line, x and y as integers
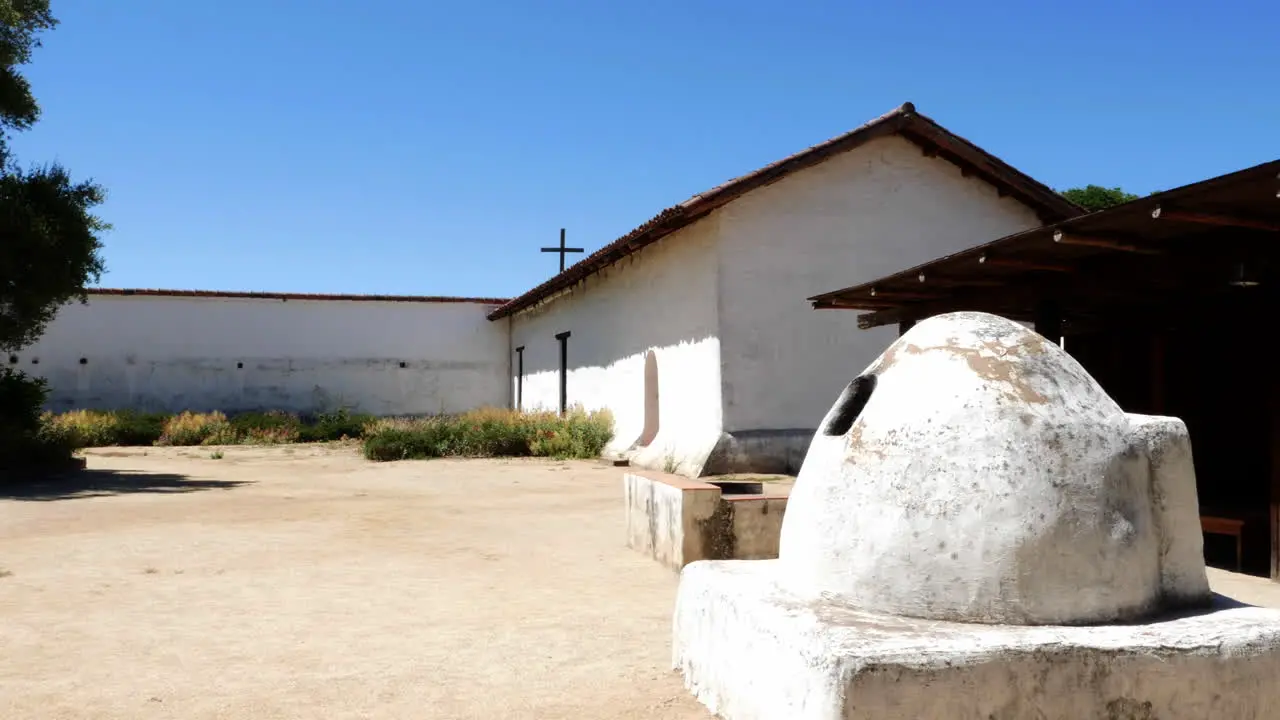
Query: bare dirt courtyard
{"type": "Point", "coordinates": [304, 582]}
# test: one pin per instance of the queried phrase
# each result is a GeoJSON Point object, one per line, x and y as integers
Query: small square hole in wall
{"type": "Point", "coordinates": [35, 361]}
{"type": "Point", "coordinates": [403, 364]}
{"type": "Point", "coordinates": [84, 361]}
{"type": "Point", "coordinates": [13, 359]}
{"type": "Point", "coordinates": [239, 366]}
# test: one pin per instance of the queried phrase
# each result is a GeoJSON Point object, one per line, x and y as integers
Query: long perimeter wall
{"type": "Point", "coordinates": [171, 353]}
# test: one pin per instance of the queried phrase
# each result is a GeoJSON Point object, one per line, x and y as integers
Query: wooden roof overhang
{"type": "Point", "coordinates": [1191, 246]}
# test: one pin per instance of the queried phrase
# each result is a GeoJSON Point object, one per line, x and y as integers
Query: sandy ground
{"type": "Point", "coordinates": [304, 582]}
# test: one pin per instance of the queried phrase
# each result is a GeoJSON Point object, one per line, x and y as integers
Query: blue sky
{"type": "Point", "coordinates": [432, 148]}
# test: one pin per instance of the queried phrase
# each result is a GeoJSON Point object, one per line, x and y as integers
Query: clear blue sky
{"type": "Point", "coordinates": [432, 148]}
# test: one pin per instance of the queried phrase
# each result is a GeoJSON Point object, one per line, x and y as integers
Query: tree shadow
{"type": "Point", "coordinates": [79, 484]}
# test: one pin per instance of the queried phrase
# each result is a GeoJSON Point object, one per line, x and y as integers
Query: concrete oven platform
{"type": "Point", "coordinates": [750, 650]}
{"type": "Point", "coordinates": [677, 521]}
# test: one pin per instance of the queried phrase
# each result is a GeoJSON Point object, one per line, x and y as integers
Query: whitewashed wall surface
{"type": "Point", "coordinates": [643, 344]}
{"type": "Point", "coordinates": [174, 352]}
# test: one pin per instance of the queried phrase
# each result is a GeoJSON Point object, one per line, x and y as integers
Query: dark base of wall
{"type": "Point", "coordinates": [779, 451]}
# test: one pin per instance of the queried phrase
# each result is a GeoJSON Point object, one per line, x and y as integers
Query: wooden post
{"type": "Point", "coordinates": [1274, 413]}
{"type": "Point", "coordinates": [564, 371]}
{"type": "Point", "coordinates": [520, 378]}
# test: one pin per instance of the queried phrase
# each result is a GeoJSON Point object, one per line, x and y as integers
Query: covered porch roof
{"type": "Point", "coordinates": [1193, 246]}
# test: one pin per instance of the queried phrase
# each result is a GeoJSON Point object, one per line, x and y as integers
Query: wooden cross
{"type": "Point", "coordinates": [562, 250]}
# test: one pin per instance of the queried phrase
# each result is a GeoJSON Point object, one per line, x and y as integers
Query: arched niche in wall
{"type": "Point", "coordinates": [650, 399]}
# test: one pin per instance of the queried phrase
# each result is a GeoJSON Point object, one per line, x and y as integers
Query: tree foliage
{"type": "Point", "coordinates": [21, 21]}
{"type": "Point", "coordinates": [51, 244]}
{"type": "Point", "coordinates": [50, 248]}
{"type": "Point", "coordinates": [1095, 197]}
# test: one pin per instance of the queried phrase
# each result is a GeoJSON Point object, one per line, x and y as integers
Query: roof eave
{"type": "Point", "coordinates": [903, 120]}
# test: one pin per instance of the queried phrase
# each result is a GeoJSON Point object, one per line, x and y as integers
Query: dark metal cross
{"type": "Point", "coordinates": [562, 250]}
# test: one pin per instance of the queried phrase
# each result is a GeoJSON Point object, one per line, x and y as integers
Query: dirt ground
{"type": "Point", "coordinates": [305, 582]}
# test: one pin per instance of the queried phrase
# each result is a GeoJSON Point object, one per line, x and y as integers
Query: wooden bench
{"type": "Point", "coordinates": [1225, 526]}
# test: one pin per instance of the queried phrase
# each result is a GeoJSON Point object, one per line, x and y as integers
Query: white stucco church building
{"type": "Point", "coordinates": [693, 329]}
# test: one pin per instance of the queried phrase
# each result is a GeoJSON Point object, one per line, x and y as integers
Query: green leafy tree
{"type": "Point", "coordinates": [1095, 197]}
{"type": "Point", "coordinates": [21, 21]}
{"type": "Point", "coordinates": [49, 241]}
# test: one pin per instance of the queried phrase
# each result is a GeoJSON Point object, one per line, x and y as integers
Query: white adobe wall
{"type": "Point", "coordinates": [662, 299]}
{"type": "Point", "coordinates": [176, 353]}
{"type": "Point", "coordinates": [875, 210]}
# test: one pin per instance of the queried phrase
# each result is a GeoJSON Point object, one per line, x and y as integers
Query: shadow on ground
{"type": "Point", "coordinates": [98, 483]}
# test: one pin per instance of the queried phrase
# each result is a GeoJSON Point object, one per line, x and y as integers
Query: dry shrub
{"type": "Point", "coordinates": [282, 435]}
{"type": "Point", "coordinates": [273, 427]}
{"type": "Point", "coordinates": [189, 428]}
{"type": "Point", "coordinates": [104, 428]}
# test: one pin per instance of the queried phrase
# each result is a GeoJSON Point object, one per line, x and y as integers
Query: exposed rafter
{"type": "Point", "coordinates": [1160, 213]}
{"type": "Point", "coordinates": [1021, 264]}
{"type": "Point", "coordinates": [1063, 238]}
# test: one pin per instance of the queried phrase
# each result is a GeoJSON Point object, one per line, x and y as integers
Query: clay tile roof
{"type": "Point", "coordinates": [293, 296]}
{"type": "Point", "coordinates": [904, 120]}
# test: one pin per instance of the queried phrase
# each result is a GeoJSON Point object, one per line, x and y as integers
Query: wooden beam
{"type": "Point", "coordinates": [1022, 264]}
{"type": "Point", "coordinates": [929, 150]}
{"type": "Point", "coordinates": [852, 304]}
{"type": "Point", "coordinates": [1010, 302]}
{"type": "Point", "coordinates": [952, 281]}
{"type": "Point", "coordinates": [1214, 219]}
{"type": "Point", "coordinates": [921, 311]}
{"type": "Point", "coordinates": [1139, 284]}
{"type": "Point", "coordinates": [1091, 241]}
{"type": "Point", "coordinates": [901, 295]}
{"type": "Point", "coordinates": [1092, 291]}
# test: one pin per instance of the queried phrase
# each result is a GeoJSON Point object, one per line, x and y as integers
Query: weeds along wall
{"type": "Point", "coordinates": [172, 353]}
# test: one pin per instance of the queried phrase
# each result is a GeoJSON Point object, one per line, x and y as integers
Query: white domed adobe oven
{"type": "Point", "coordinates": [979, 532]}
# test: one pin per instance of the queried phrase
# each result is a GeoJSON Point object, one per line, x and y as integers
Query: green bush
{"type": "Point", "coordinates": [337, 425]}
{"type": "Point", "coordinates": [24, 440]}
{"type": "Point", "coordinates": [137, 428]}
{"type": "Point", "coordinates": [490, 433]}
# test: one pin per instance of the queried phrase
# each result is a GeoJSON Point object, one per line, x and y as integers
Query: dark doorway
{"type": "Point", "coordinates": [564, 371]}
{"type": "Point", "coordinates": [1203, 373]}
